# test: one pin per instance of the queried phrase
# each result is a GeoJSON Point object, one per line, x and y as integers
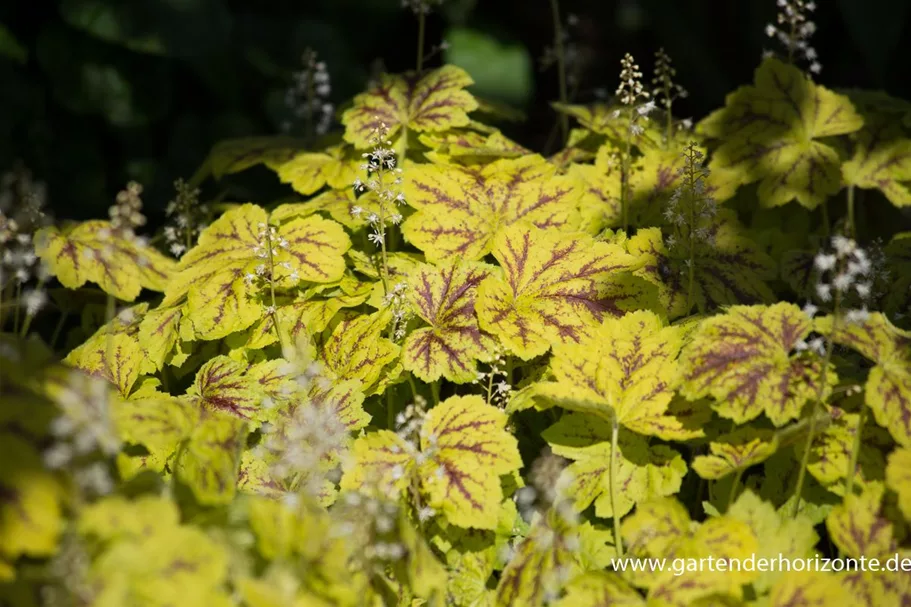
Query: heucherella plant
{"type": "Point", "coordinates": [447, 369]}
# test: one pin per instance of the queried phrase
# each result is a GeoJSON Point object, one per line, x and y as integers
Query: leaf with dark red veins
{"type": "Point", "coordinates": [882, 161]}
{"type": "Point", "coordinates": [735, 451]}
{"type": "Point", "coordinates": [209, 461]}
{"type": "Point", "coordinates": [159, 331]}
{"type": "Point", "coordinates": [888, 388]}
{"type": "Point", "coordinates": [745, 360]}
{"type": "Point", "coordinates": [114, 357]}
{"type": "Point", "coordinates": [223, 274]}
{"type": "Point", "coordinates": [470, 449]}
{"type": "Point", "coordinates": [729, 268]}
{"type": "Point", "coordinates": [555, 288]}
{"type": "Point", "coordinates": [236, 155]}
{"type": "Point", "coordinates": [436, 101]}
{"type": "Point", "coordinates": [462, 210]}
{"type": "Point", "coordinates": [444, 297]}
{"type": "Point", "coordinates": [92, 251]}
{"type": "Point", "coordinates": [357, 349]}
{"type": "Point", "coordinates": [222, 385]}
{"type": "Point", "coordinates": [773, 132]}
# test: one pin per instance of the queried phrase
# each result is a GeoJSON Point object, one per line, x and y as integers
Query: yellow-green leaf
{"type": "Point", "coordinates": [462, 210]}
{"type": "Point", "coordinates": [235, 155]}
{"type": "Point", "coordinates": [888, 388]}
{"type": "Point", "coordinates": [555, 288]}
{"type": "Point", "coordinates": [735, 452]}
{"type": "Point", "coordinates": [222, 385]}
{"type": "Point", "coordinates": [159, 331]}
{"type": "Point", "coordinates": [600, 589]}
{"type": "Point", "coordinates": [857, 526]}
{"type": "Point", "coordinates": [157, 421]}
{"type": "Point", "coordinates": [806, 589]}
{"type": "Point", "coordinates": [357, 349]}
{"type": "Point", "coordinates": [116, 358]}
{"type": "Point", "coordinates": [626, 367]}
{"type": "Point", "coordinates": [882, 160]}
{"type": "Point", "coordinates": [208, 462]}
{"type": "Point", "coordinates": [307, 172]}
{"type": "Point", "coordinates": [898, 477]}
{"type": "Point", "coordinates": [470, 450]}
{"type": "Point", "coordinates": [444, 297]}
{"type": "Point", "coordinates": [771, 132]}
{"type": "Point", "coordinates": [644, 472]}
{"type": "Point", "coordinates": [744, 360]}
{"type": "Point", "coordinates": [219, 273]}
{"type": "Point", "coordinates": [436, 101]}
{"type": "Point", "coordinates": [728, 268]}
{"type": "Point", "coordinates": [93, 251]}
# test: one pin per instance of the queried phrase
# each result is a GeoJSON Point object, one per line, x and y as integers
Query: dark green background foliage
{"type": "Point", "coordinates": [96, 92]}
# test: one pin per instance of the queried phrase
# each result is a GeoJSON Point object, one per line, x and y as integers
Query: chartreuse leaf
{"type": "Point", "coordinates": [470, 147]}
{"type": "Point", "coordinates": [222, 385]}
{"type": "Point", "coordinates": [464, 450]}
{"type": "Point", "coordinates": [235, 155]}
{"type": "Point", "coordinates": [555, 288]}
{"type": "Point", "coordinates": [30, 502]}
{"type": "Point", "coordinates": [771, 132]}
{"type": "Point", "coordinates": [307, 172]}
{"type": "Point", "coordinates": [209, 459]}
{"type": "Point", "coordinates": [444, 297]}
{"type": "Point", "coordinates": [215, 274]}
{"type": "Point", "coordinates": [858, 528]}
{"type": "Point", "coordinates": [599, 205]}
{"type": "Point", "coordinates": [643, 471]}
{"type": "Point", "coordinates": [357, 349]}
{"type": "Point", "coordinates": [743, 359]}
{"type": "Point", "coordinates": [462, 210]}
{"type": "Point", "coordinates": [626, 367]}
{"type": "Point", "coordinates": [882, 160]}
{"type": "Point", "coordinates": [114, 357]}
{"type": "Point", "coordinates": [728, 267]}
{"type": "Point", "coordinates": [436, 101]}
{"type": "Point", "coordinates": [735, 452]}
{"type": "Point", "coordinates": [662, 529]}
{"type": "Point", "coordinates": [116, 517]}
{"type": "Point", "coordinates": [155, 420]}
{"type": "Point", "coordinates": [541, 564]}
{"type": "Point", "coordinates": [806, 589]}
{"type": "Point", "coordinates": [159, 332]}
{"type": "Point", "coordinates": [898, 477]}
{"type": "Point", "coordinates": [612, 122]}
{"type": "Point", "coordinates": [339, 204]}
{"type": "Point", "coordinates": [600, 589]}
{"type": "Point", "coordinates": [93, 251]}
{"type": "Point", "coordinates": [831, 454]}
{"type": "Point", "coordinates": [790, 537]}
{"type": "Point", "coordinates": [888, 388]}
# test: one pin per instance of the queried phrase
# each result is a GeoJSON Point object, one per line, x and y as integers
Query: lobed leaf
{"type": "Point", "coordinates": [462, 210]}
{"type": "Point", "coordinates": [555, 289]}
{"type": "Point", "coordinates": [209, 460]}
{"type": "Point", "coordinates": [436, 101]}
{"type": "Point", "coordinates": [882, 161]}
{"type": "Point", "coordinates": [93, 251]}
{"type": "Point", "coordinates": [744, 360]}
{"type": "Point", "coordinates": [735, 451]}
{"type": "Point", "coordinates": [444, 297]}
{"type": "Point", "coordinates": [898, 478]}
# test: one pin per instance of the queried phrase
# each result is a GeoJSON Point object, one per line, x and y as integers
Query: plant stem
{"type": "Point", "coordinates": [421, 23]}
{"type": "Point", "coordinates": [624, 172]}
{"type": "Point", "coordinates": [820, 390]}
{"type": "Point", "coordinates": [435, 391]}
{"type": "Point", "coordinates": [561, 67]}
{"type": "Point", "coordinates": [855, 451]}
{"type": "Point", "coordinates": [615, 435]}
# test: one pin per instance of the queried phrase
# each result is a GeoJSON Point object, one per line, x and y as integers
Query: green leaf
{"type": "Point", "coordinates": [644, 471]}
{"type": "Point", "coordinates": [209, 461]}
{"type": "Point", "coordinates": [10, 47]}
{"type": "Point", "coordinates": [773, 132]}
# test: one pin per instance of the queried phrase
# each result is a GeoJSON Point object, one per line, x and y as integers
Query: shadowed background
{"type": "Point", "coordinates": [96, 92]}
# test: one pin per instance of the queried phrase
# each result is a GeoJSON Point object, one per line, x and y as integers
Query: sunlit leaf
{"type": "Point", "coordinates": [771, 132]}
{"type": "Point", "coordinates": [627, 367]}
{"type": "Point", "coordinates": [746, 360]}
{"type": "Point", "coordinates": [218, 274]}
{"type": "Point", "coordinates": [116, 358]}
{"type": "Point", "coordinates": [444, 297]}
{"type": "Point", "coordinates": [222, 385]}
{"type": "Point", "coordinates": [643, 471]}
{"type": "Point", "coordinates": [898, 477]}
{"type": "Point", "coordinates": [882, 161]}
{"type": "Point", "coordinates": [159, 332]}
{"type": "Point", "coordinates": [555, 289]}
{"type": "Point", "coordinates": [93, 251]}
{"type": "Point", "coordinates": [806, 589]}
{"type": "Point", "coordinates": [357, 349]}
{"type": "Point", "coordinates": [308, 172]}
{"type": "Point", "coordinates": [600, 589]}
{"type": "Point", "coordinates": [436, 101]}
{"type": "Point", "coordinates": [462, 210]}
